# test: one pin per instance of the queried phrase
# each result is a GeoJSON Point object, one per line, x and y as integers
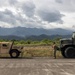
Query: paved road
{"type": "Point", "coordinates": [37, 66]}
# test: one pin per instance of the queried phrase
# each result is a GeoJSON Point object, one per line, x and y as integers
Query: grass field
{"type": "Point", "coordinates": [39, 51]}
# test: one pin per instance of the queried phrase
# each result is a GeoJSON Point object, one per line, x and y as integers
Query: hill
{"type": "Point", "coordinates": [43, 36]}
{"type": "Point", "coordinates": [23, 31]}
{"type": "Point", "coordinates": [34, 37]}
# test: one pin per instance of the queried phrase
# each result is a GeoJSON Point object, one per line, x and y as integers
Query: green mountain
{"type": "Point", "coordinates": [23, 31]}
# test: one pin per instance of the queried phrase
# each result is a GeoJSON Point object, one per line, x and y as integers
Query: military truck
{"type": "Point", "coordinates": [67, 46]}
{"type": "Point", "coordinates": [8, 48]}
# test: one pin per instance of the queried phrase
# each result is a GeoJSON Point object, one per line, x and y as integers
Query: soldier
{"type": "Point", "coordinates": [55, 49]}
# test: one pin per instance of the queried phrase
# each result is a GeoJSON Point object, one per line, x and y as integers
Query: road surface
{"type": "Point", "coordinates": [37, 66]}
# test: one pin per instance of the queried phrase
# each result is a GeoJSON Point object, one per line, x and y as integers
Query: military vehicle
{"type": "Point", "coordinates": [67, 47]}
{"type": "Point", "coordinates": [8, 48]}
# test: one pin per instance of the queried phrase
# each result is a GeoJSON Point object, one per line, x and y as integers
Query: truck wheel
{"type": "Point", "coordinates": [63, 53]}
{"type": "Point", "coordinates": [14, 53]}
{"type": "Point", "coordinates": [70, 52]}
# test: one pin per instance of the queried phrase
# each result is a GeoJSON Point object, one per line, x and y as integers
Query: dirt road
{"type": "Point", "coordinates": [37, 66]}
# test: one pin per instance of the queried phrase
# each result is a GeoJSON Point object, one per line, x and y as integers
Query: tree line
{"type": "Point", "coordinates": [34, 42]}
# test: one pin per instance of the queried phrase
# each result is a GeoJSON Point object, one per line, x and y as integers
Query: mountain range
{"type": "Point", "coordinates": [23, 33]}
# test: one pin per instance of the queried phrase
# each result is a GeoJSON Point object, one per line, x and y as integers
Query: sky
{"type": "Point", "coordinates": [47, 14]}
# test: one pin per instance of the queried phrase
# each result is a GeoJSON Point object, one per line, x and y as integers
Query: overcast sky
{"type": "Point", "coordinates": [38, 13]}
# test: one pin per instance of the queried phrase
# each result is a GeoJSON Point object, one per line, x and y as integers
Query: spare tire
{"type": "Point", "coordinates": [70, 52]}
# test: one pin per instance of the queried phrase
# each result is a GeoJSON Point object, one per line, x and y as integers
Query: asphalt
{"type": "Point", "coordinates": [37, 66]}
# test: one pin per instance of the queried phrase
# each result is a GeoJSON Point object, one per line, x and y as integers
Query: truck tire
{"type": "Point", "coordinates": [14, 53]}
{"type": "Point", "coordinates": [70, 52]}
{"type": "Point", "coordinates": [63, 53]}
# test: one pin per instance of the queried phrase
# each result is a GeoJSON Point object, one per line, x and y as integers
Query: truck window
{"type": "Point", "coordinates": [5, 46]}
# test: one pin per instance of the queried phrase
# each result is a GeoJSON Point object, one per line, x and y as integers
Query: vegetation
{"type": "Point", "coordinates": [30, 42]}
{"type": "Point", "coordinates": [39, 51]}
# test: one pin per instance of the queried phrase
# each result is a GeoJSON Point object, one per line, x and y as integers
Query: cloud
{"type": "Point", "coordinates": [28, 8]}
{"type": "Point", "coordinates": [13, 2]}
{"type": "Point", "coordinates": [3, 3]}
{"type": "Point", "coordinates": [50, 15]}
{"type": "Point", "coordinates": [59, 1]}
{"type": "Point", "coordinates": [65, 5]}
{"type": "Point", "coordinates": [8, 17]}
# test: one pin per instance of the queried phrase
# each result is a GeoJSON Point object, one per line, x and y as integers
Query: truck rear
{"type": "Point", "coordinates": [8, 48]}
